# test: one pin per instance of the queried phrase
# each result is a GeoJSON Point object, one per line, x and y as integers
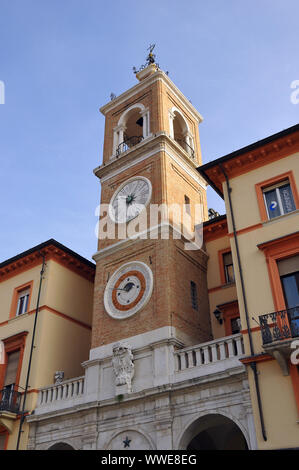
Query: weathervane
{"type": "Point", "coordinates": [150, 59]}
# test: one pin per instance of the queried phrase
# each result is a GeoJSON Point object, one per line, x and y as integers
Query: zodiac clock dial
{"type": "Point", "coordinates": [128, 290]}
{"type": "Point", "coordinates": [130, 199]}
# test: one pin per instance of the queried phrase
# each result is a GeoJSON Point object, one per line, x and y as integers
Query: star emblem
{"type": "Point", "coordinates": [127, 442]}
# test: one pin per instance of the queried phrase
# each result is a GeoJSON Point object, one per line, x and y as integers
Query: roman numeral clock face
{"type": "Point", "coordinates": [128, 290]}
{"type": "Point", "coordinates": [130, 199]}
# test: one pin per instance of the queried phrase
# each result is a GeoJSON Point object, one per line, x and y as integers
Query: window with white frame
{"type": "Point", "coordinates": [23, 301]}
{"type": "Point", "coordinates": [228, 267]}
{"type": "Point", "coordinates": [279, 199]}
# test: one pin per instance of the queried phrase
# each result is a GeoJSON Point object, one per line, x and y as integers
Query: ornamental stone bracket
{"type": "Point", "coordinates": [7, 420]}
{"type": "Point", "coordinates": [123, 367]}
{"type": "Point", "coordinates": [281, 351]}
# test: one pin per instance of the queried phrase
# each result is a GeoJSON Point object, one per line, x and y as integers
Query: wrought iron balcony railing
{"type": "Point", "coordinates": [186, 147]}
{"type": "Point", "coordinates": [10, 400]}
{"type": "Point", "coordinates": [128, 143]}
{"type": "Point", "coordinates": [280, 325]}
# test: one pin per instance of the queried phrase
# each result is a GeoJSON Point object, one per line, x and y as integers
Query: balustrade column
{"type": "Point", "coordinates": [222, 350]}
{"type": "Point", "coordinates": [239, 343]}
{"type": "Point", "coordinates": [183, 361]}
{"type": "Point", "coordinates": [198, 357]}
{"type": "Point", "coordinates": [206, 354]}
{"type": "Point", "coordinates": [231, 352]}
{"type": "Point", "coordinates": [214, 353]}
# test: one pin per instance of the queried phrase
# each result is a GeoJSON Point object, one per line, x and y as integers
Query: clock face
{"type": "Point", "coordinates": [130, 199]}
{"type": "Point", "coordinates": [128, 290]}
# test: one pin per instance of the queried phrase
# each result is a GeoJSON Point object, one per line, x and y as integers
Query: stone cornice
{"type": "Point", "coordinates": [251, 157]}
{"type": "Point", "coordinates": [160, 142]}
{"type": "Point", "coordinates": [214, 229]}
{"type": "Point", "coordinates": [51, 251]}
{"type": "Point", "coordinates": [159, 75]}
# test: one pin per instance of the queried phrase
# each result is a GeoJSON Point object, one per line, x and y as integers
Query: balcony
{"type": "Point", "coordinates": [170, 366]}
{"type": "Point", "coordinates": [278, 329]}
{"type": "Point", "coordinates": [10, 400]}
{"type": "Point", "coordinates": [65, 394]}
{"type": "Point", "coordinates": [214, 358]}
{"type": "Point", "coordinates": [128, 144]}
{"type": "Point", "coordinates": [280, 325]}
{"type": "Point", "coordinates": [186, 147]}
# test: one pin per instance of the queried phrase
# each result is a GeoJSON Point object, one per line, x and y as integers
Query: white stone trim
{"type": "Point", "coordinates": [193, 174]}
{"type": "Point", "coordinates": [122, 120]}
{"type": "Point", "coordinates": [157, 76]}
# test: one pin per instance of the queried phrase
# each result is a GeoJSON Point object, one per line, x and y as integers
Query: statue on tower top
{"type": "Point", "coordinates": [150, 59]}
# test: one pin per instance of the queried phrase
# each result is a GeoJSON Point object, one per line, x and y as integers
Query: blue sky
{"type": "Point", "coordinates": [60, 60]}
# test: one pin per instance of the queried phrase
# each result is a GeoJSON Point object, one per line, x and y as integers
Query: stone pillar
{"type": "Point", "coordinates": [118, 137]}
{"type": "Point", "coordinates": [146, 123]}
{"type": "Point", "coordinates": [171, 119]}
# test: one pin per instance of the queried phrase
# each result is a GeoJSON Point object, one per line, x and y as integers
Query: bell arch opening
{"type": "Point", "coordinates": [180, 132]}
{"type": "Point", "coordinates": [213, 432]}
{"type": "Point", "coordinates": [132, 128]}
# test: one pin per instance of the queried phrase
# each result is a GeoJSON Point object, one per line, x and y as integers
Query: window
{"type": "Point", "coordinates": [23, 301]}
{"type": "Point", "coordinates": [187, 205]}
{"type": "Point", "coordinates": [231, 317]}
{"type": "Point", "coordinates": [289, 276]}
{"type": "Point", "coordinates": [235, 325]}
{"type": "Point", "coordinates": [228, 267]}
{"type": "Point", "coordinates": [11, 372]}
{"type": "Point", "coordinates": [279, 199]}
{"type": "Point", "coordinates": [277, 196]}
{"type": "Point", "coordinates": [194, 298]}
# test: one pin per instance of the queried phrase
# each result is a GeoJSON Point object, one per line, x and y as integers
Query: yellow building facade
{"type": "Point", "coordinates": [63, 296]}
{"type": "Point", "coordinates": [259, 184]}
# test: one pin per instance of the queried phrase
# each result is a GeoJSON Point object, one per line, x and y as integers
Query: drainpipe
{"type": "Point", "coordinates": [252, 364]}
{"type": "Point", "coordinates": [22, 419]}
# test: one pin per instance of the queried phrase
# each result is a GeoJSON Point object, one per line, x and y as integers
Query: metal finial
{"type": "Point", "coordinates": [150, 59]}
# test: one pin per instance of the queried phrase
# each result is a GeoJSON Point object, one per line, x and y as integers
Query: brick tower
{"type": "Point", "coordinates": [150, 288]}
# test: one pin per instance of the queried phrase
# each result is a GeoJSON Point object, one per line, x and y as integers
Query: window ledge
{"type": "Point", "coordinates": [23, 315]}
{"type": "Point", "coordinates": [227, 285]}
{"type": "Point", "coordinates": [276, 219]}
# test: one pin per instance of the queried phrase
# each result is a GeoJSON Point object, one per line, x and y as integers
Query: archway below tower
{"type": "Point", "coordinates": [61, 446]}
{"type": "Point", "coordinates": [214, 432]}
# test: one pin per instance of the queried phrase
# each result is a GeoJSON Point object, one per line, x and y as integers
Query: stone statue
{"type": "Point", "coordinates": [123, 365]}
{"type": "Point", "coordinates": [58, 377]}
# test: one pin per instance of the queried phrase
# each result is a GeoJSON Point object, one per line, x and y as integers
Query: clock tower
{"type": "Point", "coordinates": [149, 285]}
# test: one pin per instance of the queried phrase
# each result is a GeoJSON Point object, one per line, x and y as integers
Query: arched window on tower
{"type": "Point", "coordinates": [132, 128]}
{"type": "Point", "coordinates": [179, 131]}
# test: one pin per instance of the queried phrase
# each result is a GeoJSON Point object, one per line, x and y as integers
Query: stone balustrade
{"type": "Point", "coordinates": [209, 353]}
{"type": "Point", "coordinates": [66, 390]}
{"type": "Point", "coordinates": [171, 367]}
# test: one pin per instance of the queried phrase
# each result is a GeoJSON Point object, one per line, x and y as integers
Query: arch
{"type": "Point", "coordinates": [132, 127]}
{"type": "Point", "coordinates": [214, 431]}
{"type": "Point", "coordinates": [180, 131]}
{"type": "Point", "coordinates": [176, 113]}
{"type": "Point", "coordinates": [146, 439]}
{"type": "Point", "coordinates": [122, 120]}
{"type": "Point", "coordinates": [61, 446]}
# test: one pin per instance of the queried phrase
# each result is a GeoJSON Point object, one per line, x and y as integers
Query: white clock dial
{"type": "Point", "coordinates": [130, 199]}
{"type": "Point", "coordinates": [128, 290]}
